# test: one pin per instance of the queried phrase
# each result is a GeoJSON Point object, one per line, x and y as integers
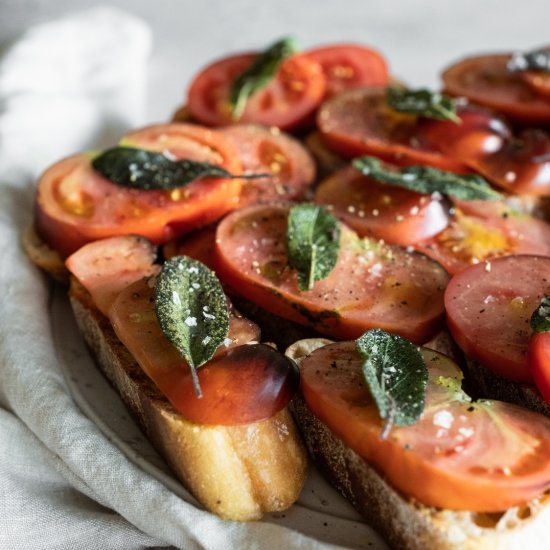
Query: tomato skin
{"type": "Point", "coordinates": [485, 80]}
{"type": "Point", "coordinates": [359, 122]}
{"type": "Point", "coordinates": [377, 286]}
{"type": "Point", "coordinates": [373, 209]}
{"type": "Point", "coordinates": [75, 205]}
{"type": "Point", "coordinates": [488, 310]}
{"type": "Point", "coordinates": [538, 359]}
{"type": "Point", "coordinates": [286, 102]}
{"type": "Point", "coordinates": [349, 66]}
{"type": "Point", "coordinates": [269, 151]}
{"type": "Point", "coordinates": [487, 457]}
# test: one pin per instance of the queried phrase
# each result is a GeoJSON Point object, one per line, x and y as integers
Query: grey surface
{"type": "Point", "coordinates": [418, 37]}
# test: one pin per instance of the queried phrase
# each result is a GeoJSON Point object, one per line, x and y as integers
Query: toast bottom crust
{"type": "Point", "coordinates": [237, 472]}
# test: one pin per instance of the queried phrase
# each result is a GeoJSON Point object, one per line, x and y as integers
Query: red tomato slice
{"type": "Point", "coordinates": [373, 209]}
{"type": "Point", "coordinates": [488, 310]}
{"type": "Point", "coordinates": [482, 230]}
{"type": "Point", "coordinates": [359, 122]}
{"type": "Point", "coordinates": [349, 66]}
{"type": "Point", "coordinates": [75, 205]}
{"type": "Point", "coordinates": [244, 384]}
{"type": "Point", "coordinates": [269, 151]}
{"type": "Point", "coordinates": [371, 285]}
{"type": "Point", "coordinates": [538, 359]}
{"type": "Point", "coordinates": [199, 245]}
{"type": "Point", "coordinates": [108, 266]}
{"type": "Point", "coordinates": [485, 80]}
{"type": "Point", "coordinates": [288, 100]}
{"type": "Point", "coordinates": [485, 456]}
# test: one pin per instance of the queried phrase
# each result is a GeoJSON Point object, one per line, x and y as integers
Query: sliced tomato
{"type": "Point", "coordinates": [199, 245]}
{"type": "Point", "coordinates": [488, 310]}
{"type": "Point", "coordinates": [371, 285]}
{"type": "Point", "coordinates": [349, 66]}
{"type": "Point", "coordinates": [287, 101]}
{"type": "Point", "coordinates": [485, 456]}
{"type": "Point", "coordinates": [269, 151]}
{"type": "Point", "coordinates": [538, 359]}
{"type": "Point", "coordinates": [482, 230]}
{"type": "Point", "coordinates": [486, 80]}
{"type": "Point", "coordinates": [108, 266]}
{"type": "Point", "coordinates": [75, 205]}
{"type": "Point", "coordinates": [359, 122]}
{"type": "Point", "coordinates": [374, 209]}
{"type": "Point", "coordinates": [240, 385]}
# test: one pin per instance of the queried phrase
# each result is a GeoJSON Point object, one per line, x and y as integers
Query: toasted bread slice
{"type": "Point", "coordinates": [43, 256]}
{"type": "Point", "coordinates": [407, 524]}
{"type": "Point", "coordinates": [238, 472]}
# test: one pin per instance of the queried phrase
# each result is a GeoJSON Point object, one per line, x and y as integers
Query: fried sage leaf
{"type": "Point", "coordinates": [540, 320]}
{"type": "Point", "coordinates": [534, 60]}
{"type": "Point", "coordinates": [259, 74]}
{"type": "Point", "coordinates": [427, 180]}
{"type": "Point", "coordinates": [313, 242]}
{"type": "Point", "coordinates": [424, 103]}
{"type": "Point", "coordinates": [148, 170]}
{"type": "Point", "coordinates": [396, 375]}
{"type": "Point", "coordinates": [192, 311]}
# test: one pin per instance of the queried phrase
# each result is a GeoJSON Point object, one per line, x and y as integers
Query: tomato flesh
{"type": "Point", "coordinates": [538, 358]}
{"type": "Point", "coordinates": [240, 385]}
{"type": "Point", "coordinates": [359, 122]}
{"type": "Point", "coordinates": [75, 205]}
{"type": "Point", "coordinates": [108, 266]}
{"type": "Point", "coordinates": [486, 80]}
{"type": "Point", "coordinates": [485, 456]}
{"type": "Point", "coordinates": [374, 209]}
{"type": "Point", "coordinates": [371, 284]}
{"type": "Point", "coordinates": [482, 230]}
{"type": "Point", "coordinates": [488, 310]}
{"type": "Point", "coordinates": [199, 245]}
{"type": "Point", "coordinates": [288, 100]}
{"type": "Point", "coordinates": [349, 66]}
{"type": "Point", "coordinates": [269, 151]}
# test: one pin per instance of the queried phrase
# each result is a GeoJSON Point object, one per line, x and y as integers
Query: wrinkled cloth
{"type": "Point", "coordinates": [63, 484]}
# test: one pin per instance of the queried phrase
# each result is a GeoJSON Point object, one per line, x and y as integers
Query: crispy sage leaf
{"type": "Point", "coordinates": [427, 180]}
{"type": "Point", "coordinates": [396, 375]}
{"type": "Point", "coordinates": [424, 103]}
{"type": "Point", "coordinates": [535, 60]}
{"type": "Point", "coordinates": [313, 242]}
{"type": "Point", "coordinates": [147, 170]}
{"type": "Point", "coordinates": [192, 311]}
{"type": "Point", "coordinates": [259, 74]}
{"type": "Point", "coordinates": [540, 320]}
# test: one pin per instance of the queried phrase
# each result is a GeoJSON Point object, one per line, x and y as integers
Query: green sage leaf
{"type": "Point", "coordinates": [423, 103]}
{"type": "Point", "coordinates": [259, 74]}
{"type": "Point", "coordinates": [148, 170]}
{"type": "Point", "coordinates": [396, 375]}
{"type": "Point", "coordinates": [427, 180]}
{"type": "Point", "coordinates": [192, 311]}
{"type": "Point", "coordinates": [540, 320]}
{"type": "Point", "coordinates": [313, 242]}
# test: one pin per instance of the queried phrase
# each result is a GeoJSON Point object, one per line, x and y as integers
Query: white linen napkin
{"type": "Point", "coordinates": [63, 483]}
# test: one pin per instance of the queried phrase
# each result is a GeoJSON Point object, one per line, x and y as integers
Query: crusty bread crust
{"type": "Point", "coordinates": [43, 256]}
{"type": "Point", "coordinates": [410, 525]}
{"type": "Point", "coordinates": [237, 472]}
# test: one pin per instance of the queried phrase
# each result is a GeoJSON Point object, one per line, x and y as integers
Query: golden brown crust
{"type": "Point", "coordinates": [43, 256]}
{"type": "Point", "coordinates": [237, 472]}
{"type": "Point", "coordinates": [410, 525]}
